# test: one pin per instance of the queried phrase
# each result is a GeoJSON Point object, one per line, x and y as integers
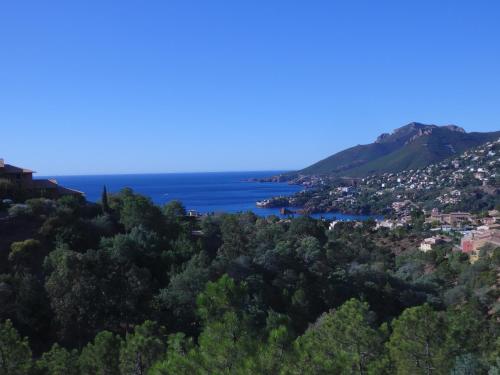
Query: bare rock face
{"type": "Point", "coordinates": [420, 133]}
{"type": "Point", "coordinates": [403, 134]}
{"type": "Point", "coordinates": [413, 127]}
{"type": "Point", "coordinates": [382, 137]}
{"type": "Point", "coordinates": [409, 132]}
{"type": "Point", "coordinates": [454, 128]}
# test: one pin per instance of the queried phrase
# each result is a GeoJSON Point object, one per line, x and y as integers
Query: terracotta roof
{"type": "Point", "coordinates": [45, 184]}
{"type": "Point", "coordinates": [7, 168]}
{"type": "Point", "coordinates": [52, 184]}
{"type": "Point", "coordinates": [64, 190]}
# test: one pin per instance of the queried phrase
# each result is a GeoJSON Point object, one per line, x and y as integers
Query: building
{"type": "Point", "coordinates": [332, 225]}
{"type": "Point", "coordinates": [488, 220]}
{"type": "Point", "coordinates": [22, 180]}
{"type": "Point", "coordinates": [474, 240]}
{"type": "Point", "coordinates": [263, 204]}
{"type": "Point", "coordinates": [453, 218]}
{"type": "Point", "coordinates": [20, 177]}
{"type": "Point", "coordinates": [429, 243]}
{"type": "Point", "coordinates": [193, 213]}
{"type": "Point", "coordinates": [494, 213]}
{"type": "Point", "coordinates": [51, 189]}
{"type": "Point", "coordinates": [385, 224]}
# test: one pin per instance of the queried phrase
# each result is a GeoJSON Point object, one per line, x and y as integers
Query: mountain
{"type": "Point", "coordinates": [412, 146]}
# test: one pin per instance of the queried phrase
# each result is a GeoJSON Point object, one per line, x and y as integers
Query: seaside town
{"type": "Point", "coordinates": [453, 196]}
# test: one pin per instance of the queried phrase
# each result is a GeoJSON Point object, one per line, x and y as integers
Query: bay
{"type": "Point", "coordinates": [214, 192]}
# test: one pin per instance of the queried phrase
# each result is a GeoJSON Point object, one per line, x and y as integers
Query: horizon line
{"type": "Point", "coordinates": [162, 173]}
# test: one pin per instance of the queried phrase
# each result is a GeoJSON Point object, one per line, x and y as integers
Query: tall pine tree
{"type": "Point", "coordinates": [104, 200]}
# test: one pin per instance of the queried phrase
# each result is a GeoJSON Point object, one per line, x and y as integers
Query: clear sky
{"type": "Point", "coordinates": [101, 86]}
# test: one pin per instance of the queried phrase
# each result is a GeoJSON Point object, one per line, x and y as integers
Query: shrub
{"type": "Point", "coordinates": [20, 210]}
{"type": "Point", "coordinates": [21, 252]}
{"type": "Point", "coordinates": [41, 206]}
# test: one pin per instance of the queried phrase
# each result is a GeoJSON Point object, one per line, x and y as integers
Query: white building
{"type": "Point", "coordinates": [428, 243]}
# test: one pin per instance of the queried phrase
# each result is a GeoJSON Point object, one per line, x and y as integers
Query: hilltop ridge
{"type": "Point", "coordinates": [414, 145]}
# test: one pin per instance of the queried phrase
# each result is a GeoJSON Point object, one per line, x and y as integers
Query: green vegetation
{"type": "Point", "coordinates": [411, 147]}
{"type": "Point", "coordinates": [127, 287]}
{"type": "Point", "coordinates": [466, 182]}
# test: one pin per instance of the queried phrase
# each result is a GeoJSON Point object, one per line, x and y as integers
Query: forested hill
{"type": "Point", "coordinates": [127, 287]}
{"type": "Point", "coordinates": [412, 146]}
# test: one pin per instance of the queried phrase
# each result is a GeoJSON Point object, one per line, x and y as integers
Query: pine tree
{"type": "Point", "coordinates": [104, 200]}
{"type": "Point", "coordinates": [15, 353]}
{"type": "Point", "coordinates": [417, 342]}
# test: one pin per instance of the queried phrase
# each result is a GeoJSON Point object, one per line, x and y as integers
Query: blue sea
{"type": "Point", "coordinates": [203, 192]}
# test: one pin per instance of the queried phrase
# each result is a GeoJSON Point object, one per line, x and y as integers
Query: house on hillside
{"type": "Point", "coordinates": [21, 179]}
{"type": "Point", "coordinates": [474, 240]}
{"type": "Point", "coordinates": [429, 243]}
{"type": "Point", "coordinates": [50, 188]}
{"type": "Point", "coordinates": [453, 218]}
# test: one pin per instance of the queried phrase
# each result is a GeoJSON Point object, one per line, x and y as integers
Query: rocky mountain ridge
{"type": "Point", "coordinates": [414, 145]}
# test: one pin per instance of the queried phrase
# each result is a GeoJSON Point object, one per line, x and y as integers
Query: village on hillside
{"type": "Point", "coordinates": [457, 197]}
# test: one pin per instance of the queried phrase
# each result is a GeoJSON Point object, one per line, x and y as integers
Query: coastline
{"type": "Point", "coordinates": [288, 204]}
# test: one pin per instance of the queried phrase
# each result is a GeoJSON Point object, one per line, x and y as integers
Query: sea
{"type": "Point", "coordinates": [216, 192]}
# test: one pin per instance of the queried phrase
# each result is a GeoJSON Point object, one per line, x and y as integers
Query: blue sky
{"type": "Point", "coordinates": [168, 86]}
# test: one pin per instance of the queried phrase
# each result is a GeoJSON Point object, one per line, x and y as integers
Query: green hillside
{"type": "Point", "coordinates": [410, 147]}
